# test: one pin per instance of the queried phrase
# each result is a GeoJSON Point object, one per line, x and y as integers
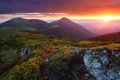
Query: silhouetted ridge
{"type": "Point", "coordinates": [17, 19]}
{"type": "Point", "coordinates": [64, 19]}
{"type": "Point", "coordinates": [63, 27]}
{"type": "Point", "coordinates": [107, 37]}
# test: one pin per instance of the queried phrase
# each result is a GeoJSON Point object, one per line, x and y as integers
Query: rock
{"type": "Point", "coordinates": [77, 66]}
{"type": "Point", "coordinates": [87, 75]}
{"type": "Point", "coordinates": [45, 77]}
{"type": "Point", "coordinates": [97, 64]}
{"type": "Point", "coordinates": [104, 59]}
{"type": "Point", "coordinates": [47, 60]}
{"type": "Point", "coordinates": [77, 51]}
{"type": "Point", "coordinates": [117, 55]}
{"type": "Point", "coordinates": [104, 51]}
{"type": "Point", "coordinates": [26, 50]}
{"type": "Point", "coordinates": [88, 51]}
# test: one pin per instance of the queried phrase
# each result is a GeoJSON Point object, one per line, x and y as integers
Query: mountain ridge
{"type": "Point", "coordinates": [107, 37]}
{"type": "Point", "coordinates": [63, 27]}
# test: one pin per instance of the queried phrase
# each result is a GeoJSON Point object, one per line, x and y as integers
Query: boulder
{"type": "Point", "coordinates": [98, 64]}
{"type": "Point", "coordinates": [77, 51]}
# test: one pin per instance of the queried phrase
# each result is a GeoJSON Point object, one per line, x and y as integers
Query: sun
{"type": "Point", "coordinates": [106, 18]}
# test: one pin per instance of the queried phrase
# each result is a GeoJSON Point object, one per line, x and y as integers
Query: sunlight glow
{"type": "Point", "coordinates": [106, 18]}
{"type": "Point", "coordinates": [55, 16]}
{"type": "Point", "coordinates": [103, 18]}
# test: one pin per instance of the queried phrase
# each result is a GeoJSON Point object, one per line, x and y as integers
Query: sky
{"type": "Point", "coordinates": [100, 27]}
{"type": "Point", "coordinates": [54, 9]}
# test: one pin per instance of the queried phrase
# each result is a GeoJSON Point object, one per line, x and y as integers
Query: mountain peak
{"type": "Point", "coordinates": [18, 18]}
{"type": "Point", "coordinates": [64, 19]}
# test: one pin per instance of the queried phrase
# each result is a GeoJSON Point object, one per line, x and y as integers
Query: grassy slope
{"type": "Point", "coordinates": [41, 46]}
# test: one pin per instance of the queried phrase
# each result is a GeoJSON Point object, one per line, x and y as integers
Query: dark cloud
{"type": "Point", "coordinates": [63, 6]}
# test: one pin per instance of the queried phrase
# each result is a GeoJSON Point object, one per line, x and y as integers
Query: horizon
{"type": "Point", "coordinates": [5, 17]}
{"type": "Point", "coordinates": [95, 25]}
{"type": "Point", "coordinates": [98, 16]}
{"type": "Point", "coordinates": [52, 19]}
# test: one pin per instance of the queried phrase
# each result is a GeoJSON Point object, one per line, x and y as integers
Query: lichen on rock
{"type": "Point", "coordinates": [98, 64]}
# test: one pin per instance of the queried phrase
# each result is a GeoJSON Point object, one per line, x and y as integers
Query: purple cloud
{"type": "Point", "coordinates": [63, 6]}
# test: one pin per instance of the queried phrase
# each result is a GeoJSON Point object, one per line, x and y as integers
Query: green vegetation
{"type": "Point", "coordinates": [61, 61]}
{"type": "Point", "coordinates": [29, 68]}
{"type": "Point", "coordinates": [7, 31]}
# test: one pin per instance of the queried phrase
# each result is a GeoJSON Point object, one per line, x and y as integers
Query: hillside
{"type": "Point", "coordinates": [61, 28]}
{"type": "Point", "coordinates": [68, 29]}
{"type": "Point", "coordinates": [50, 58]}
{"type": "Point", "coordinates": [55, 58]}
{"type": "Point", "coordinates": [107, 37]}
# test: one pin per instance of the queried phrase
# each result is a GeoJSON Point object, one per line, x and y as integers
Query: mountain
{"type": "Point", "coordinates": [99, 26]}
{"type": "Point", "coordinates": [66, 28]}
{"type": "Point", "coordinates": [61, 28]}
{"type": "Point", "coordinates": [24, 24]}
{"type": "Point", "coordinates": [107, 37]}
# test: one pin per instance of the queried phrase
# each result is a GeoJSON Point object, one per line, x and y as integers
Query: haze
{"type": "Point", "coordinates": [99, 26]}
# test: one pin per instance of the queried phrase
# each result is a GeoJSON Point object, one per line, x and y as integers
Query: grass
{"type": "Point", "coordinates": [41, 46]}
{"type": "Point", "coordinates": [7, 31]}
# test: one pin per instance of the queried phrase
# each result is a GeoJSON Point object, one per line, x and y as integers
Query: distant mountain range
{"type": "Point", "coordinates": [61, 28]}
{"type": "Point", "coordinates": [107, 37]}
{"type": "Point", "coordinates": [99, 26]}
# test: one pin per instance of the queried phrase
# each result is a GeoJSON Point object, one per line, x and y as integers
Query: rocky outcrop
{"type": "Point", "coordinates": [69, 69]}
{"type": "Point", "coordinates": [78, 70]}
{"type": "Point", "coordinates": [103, 64]}
{"type": "Point", "coordinates": [98, 64]}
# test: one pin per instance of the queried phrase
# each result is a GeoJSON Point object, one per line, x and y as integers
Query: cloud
{"type": "Point", "coordinates": [72, 7]}
{"type": "Point", "coordinates": [42, 16]}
